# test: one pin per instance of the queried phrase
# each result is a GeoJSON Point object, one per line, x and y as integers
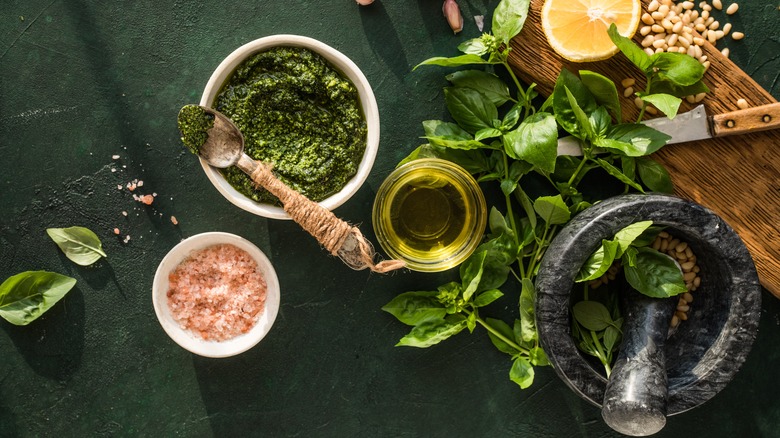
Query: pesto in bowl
{"type": "Point", "coordinates": [298, 114]}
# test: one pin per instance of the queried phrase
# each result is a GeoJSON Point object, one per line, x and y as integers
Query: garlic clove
{"type": "Point", "coordinates": [451, 12]}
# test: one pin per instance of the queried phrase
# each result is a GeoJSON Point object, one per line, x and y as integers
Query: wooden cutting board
{"type": "Point", "coordinates": [738, 177]}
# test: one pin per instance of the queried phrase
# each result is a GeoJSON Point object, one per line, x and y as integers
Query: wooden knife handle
{"type": "Point", "coordinates": [754, 119]}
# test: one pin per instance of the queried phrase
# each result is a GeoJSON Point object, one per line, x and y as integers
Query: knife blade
{"type": "Point", "coordinates": [697, 125]}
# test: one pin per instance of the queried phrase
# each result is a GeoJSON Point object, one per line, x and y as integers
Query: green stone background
{"type": "Point", "coordinates": [83, 80]}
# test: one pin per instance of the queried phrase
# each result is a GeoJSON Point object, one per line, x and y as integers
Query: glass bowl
{"type": "Point", "coordinates": [430, 213]}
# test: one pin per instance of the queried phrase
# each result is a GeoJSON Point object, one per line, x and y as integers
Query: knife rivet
{"type": "Point", "coordinates": [766, 118]}
{"type": "Point", "coordinates": [730, 123]}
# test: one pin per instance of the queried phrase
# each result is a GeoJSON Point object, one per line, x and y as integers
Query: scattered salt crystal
{"type": "Point", "coordinates": [113, 170]}
{"type": "Point", "coordinates": [127, 239]}
{"type": "Point", "coordinates": [173, 219]}
{"type": "Point", "coordinates": [124, 213]}
{"type": "Point", "coordinates": [115, 157]}
{"type": "Point", "coordinates": [154, 194]}
{"type": "Point", "coordinates": [119, 186]}
{"type": "Point", "coordinates": [140, 183]}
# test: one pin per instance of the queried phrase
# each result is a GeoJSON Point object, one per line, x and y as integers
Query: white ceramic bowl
{"type": "Point", "coordinates": [342, 64]}
{"type": "Point", "coordinates": [187, 339]}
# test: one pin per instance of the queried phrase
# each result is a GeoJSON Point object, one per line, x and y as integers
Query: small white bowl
{"type": "Point", "coordinates": [342, 64]}
{"type": "Point", "coordinates": [187, 339]}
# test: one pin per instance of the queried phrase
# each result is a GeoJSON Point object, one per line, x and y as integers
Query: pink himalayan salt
{"type": "Point", "coordinates": [217, 292]}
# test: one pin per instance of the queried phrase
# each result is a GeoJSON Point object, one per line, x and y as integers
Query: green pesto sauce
{"type": "Point", "coordinates": [300, 115]}
{"type": "Point", "coordinates": [194, 124]}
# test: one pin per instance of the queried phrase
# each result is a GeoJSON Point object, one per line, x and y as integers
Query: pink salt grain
{"type": "Point", "coordinates": [217, 292]}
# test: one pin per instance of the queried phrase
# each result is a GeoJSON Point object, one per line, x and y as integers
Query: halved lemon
{"type": "Point", "coordinates": [577, 29]}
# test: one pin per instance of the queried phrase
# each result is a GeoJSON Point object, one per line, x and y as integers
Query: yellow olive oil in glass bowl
{"type": "Point", "coordinates": [430, 213]}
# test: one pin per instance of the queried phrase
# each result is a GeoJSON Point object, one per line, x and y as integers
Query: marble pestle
{"type": "Point", "coordinates": [635, 399]}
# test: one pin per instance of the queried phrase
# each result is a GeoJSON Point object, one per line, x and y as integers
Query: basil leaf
{"type": "Point", "coordinates": [508, 19]}
{"type": "Point", "coordinates": [522, 372]}
{"type": "Point", "coordinates": [534, 141]}
{"type": "Point", "coordinates": [611, 335]}
{"type": "Point", "coordinates": [431, 333]}
{"type": "Point", "coordinates": [666, 103]}
{"type": "Point", "coordinates": [624, 148]}
{"type": "Point", "coordinates": [487, 297]}
{"type": "Point", "coordinates": [628, 166]}
{"type": "Point", "coordinates": [552, 209]}
{"type": "Point", "coordinates": [26, 296]}
{"type": "Point", "coordinates": [512, 117]}
{"type": "Point", "coordinates": [449, 135]}
{"type": "Point", "coordinates": [600, 121]}
{"type": "Point", "coordinates": [592, 315]}
{"type": "Point", "coordinates": [508, 186]}
{"type": "Point", "coordinates": [497, 222]}
{"type": "Point", "coordinates": [528, 207]}
{"type": "Point", "coordinates": [487, 133]}
{"type": "Point", "coordinates": [654, 175]}
{"type": "Point", "coordinates": [644, 140]}
{"type": "Point", "coordinates": [655, 274]}
{"type": "Point", "coordinates": [413, 308]}
{"type": "Point", "coordinates": [500, 253]}
{"type": "Point", "coordinates": [538, 357]}
{"type": "Point", "coordinates": [528, 331]}
{"type": "Point", "coordinates": [488, 84]}
{"type": "Point", "coordinates": [473, 160]}
{"type": "Point", "coordinates": [564, 113]}
{"type": "Point", "coordinates": [599, 262]}
{"type": "Point", "coordinates": [629, 234]}
{"type": "Point", "coordinates": [470, 108]}
{"type": "Point", "coordinates": [603, 89]}
{"type": "Point", "coordinates": [680, 69]}
{"type": "Point", "coordinates": [636, 55]}
{"type": "Point", "coordinates": [503, 328]}
{"type": "Point", "coordinates": [614, 171]}
{"type": "Point", "coordinates": [79, 244]}
{"type": "Point", "coordinates": [584, 129]}
{"type": "Point", "coordinates": [471, 273]}
{"type": "Point", "coordinates": [471, 321]}
{"type": "Point", "coordinates": [474, 46]}
{"type": "Point", "coordinates": [667, 87]}
{"type": "Point", "coordinates": [455, 61]}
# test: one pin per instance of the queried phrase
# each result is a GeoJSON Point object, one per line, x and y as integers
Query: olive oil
{"type": "Point", "coordinates": [430, 213]}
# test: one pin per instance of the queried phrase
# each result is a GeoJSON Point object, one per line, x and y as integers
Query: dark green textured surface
{"type": "Point", "coordinates": [83, 80]}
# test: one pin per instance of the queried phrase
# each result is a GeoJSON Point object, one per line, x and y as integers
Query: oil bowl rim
{"type": "Point", "coordinates": [343, 64]}
{"type": "Point", "coordinates": [185, 338]}
{"type": "Point", "coordinates": [472, 189]}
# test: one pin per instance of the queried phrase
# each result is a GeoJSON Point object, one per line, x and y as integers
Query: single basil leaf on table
{"type": "Point", "coordinates": [509, 18]}
{"type": "Point", "coordinates": [603, 89]}
{"type": "Point", "coordinates": [413, 308]}
{"type": "Point", "coordinates": [552, 209]}
{"type": "Point", "coordinates": [79, 244]}
{"type": "Point", "coordinates": [592, 315]}
{"type": "Point", "coordinates": [634, 53]}
{"type": "Point", "coordinates": [470, 108]}
{"type": "Point", "coordinates": [493, 88]}
{"type": "Point", "coordinates": [654, 175]}
{"type": "Point", "coordinates": [26, 296]}
{"type": "Point", "coordinates": [666, 103]}
{"type": "Point", "coordinates": [455, 61]}
{"type": "Point", "coordinates": [431, 333]}
{"type": "Point", "coordinates": [535, 140]}
{"type": "Point", "coordinates": [655, 274]}
{"type": "Point", "coordinates": [522, 372]}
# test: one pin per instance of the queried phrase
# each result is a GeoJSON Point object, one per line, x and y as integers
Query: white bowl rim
{"type": "Point", "coordinates": [346, 67]}
{"type": "Point", "coordinates": [188, 340]}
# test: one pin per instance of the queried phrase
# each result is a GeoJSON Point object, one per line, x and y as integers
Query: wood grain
{"type": "Point", "coordinates": [738, 177]}
{"type": "Point", "coordinates": [754, 119]}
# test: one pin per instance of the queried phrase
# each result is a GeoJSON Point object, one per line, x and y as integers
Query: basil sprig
{"type": "Point", "coordinates": [499, 133]}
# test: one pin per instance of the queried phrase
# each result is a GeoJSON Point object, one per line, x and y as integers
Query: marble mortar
{"type": "Point", "coordinates": [706, 351]}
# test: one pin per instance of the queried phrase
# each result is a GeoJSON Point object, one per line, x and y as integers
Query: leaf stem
{"type": "Point", "coordinates": [498, 334]}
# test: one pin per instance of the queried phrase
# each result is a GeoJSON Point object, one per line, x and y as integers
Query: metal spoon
{"type": "Point", "coordinates": [223, 146]}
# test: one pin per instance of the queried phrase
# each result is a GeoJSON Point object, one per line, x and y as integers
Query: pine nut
{"type": "Point", "coordinates": [719, 34]}
{"type": "Point", "coordinates": [628, 92]}
{"type": "Point", "coordinates": [675, 321]}
{"type": "Point", "coordinates": [688, 297]}
{"type": "Point", "coordinates": [647, 19]}
{"type": "Point", "coordinates": [683, 308]}
{"type": "Point", "coordinates": [628, 82]}
{"type": "Point", "coordinates": [684, 42]}
{"type": "Point", "coordinates": [714, 25]}
{"type": "Point", "coordinates": [688, 5]}
{"type": "Point", "coordinates": [742, 104]}
{"type": "Point", "coordinates": [696, 269]}
{"type": "Point", "coordinates": [638, 102]}
{"type": "Point", "coordinates": [727, 28]}
{"type": "Point", "coordinates": [709, 21]}
{"type": "Point", "coordinates": [700, 27]}
{"type": "Point", "coordinates": [659, 50]}
{"type": "Point", "coordinates": [659, 43]}
{"type": "Point", "coordinates": [705, 14]}
{"type": "Point", "coordinates": [691, 51]}
{"type": "Point", "coordinates": [663, 235]}
{"type": "Point", "coordinates": [672, 39]}
{"type": "Point", "coordinates": [687, 266]}
{"type": "Point", "coordinates": [698, 51]}
{"type": "Point", "coordinates": [657, 16]}
{"type": "Point", "coordinates": [690, 99]}
{"type": "Point", "coordinates": [645, 30]}
{"type": "Point", "coordinates": [682, 315]}
{"type": "Point", "coordinates": [706, 64]}
{"type": "Point", "coordinates": [648, 41]}
{"type": "Point", "coordinates": [667, 24]}
{"type": "Point", "coordinates": [651, 110]}
{"type": "Point", "coordinates": [688, 250]}
{"type": "Point", "coordinates": [703, 58]}
{"type": "Point", "coordinates": [653, 6]}
{"type": "Point", "coordinates": [717, 4]}
{"type": "Point", "coordinates": [658, 28]}
{"type": "Point", "coordinates": [677, 28]}
{"type": "Point", "coordinates": [712, 37]}
{"type": "Point", "coordinates": [737, 36]}
{"type": "Point", "coordinates": [649, 51]}
{"type": "Point", "coordinates": [681, 50]}
{"type": "Point", "coordinates": [664, 9]}
{"type": "Point", "coordinates": [725, 52]}
{"type": "Point", "coordinates": [698, 41]}
{"type": "Point", "coordinates": [697, 282]}
{"type": "Point", "coordinates": [732, 9]}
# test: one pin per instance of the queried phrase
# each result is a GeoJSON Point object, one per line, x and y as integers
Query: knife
{"type": "Point", "coordinates": [697, 125]}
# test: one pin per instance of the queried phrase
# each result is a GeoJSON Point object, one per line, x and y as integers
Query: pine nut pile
{"type": "Point", "coordinates": [680, 251]}
{"type": "Point", "coordinates": [669, 26]}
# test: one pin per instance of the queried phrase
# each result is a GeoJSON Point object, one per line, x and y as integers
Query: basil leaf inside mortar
{"type": "Point", "coordinates": [79, 244]}
{"type": "Point", "coordinates": [26, 296]}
